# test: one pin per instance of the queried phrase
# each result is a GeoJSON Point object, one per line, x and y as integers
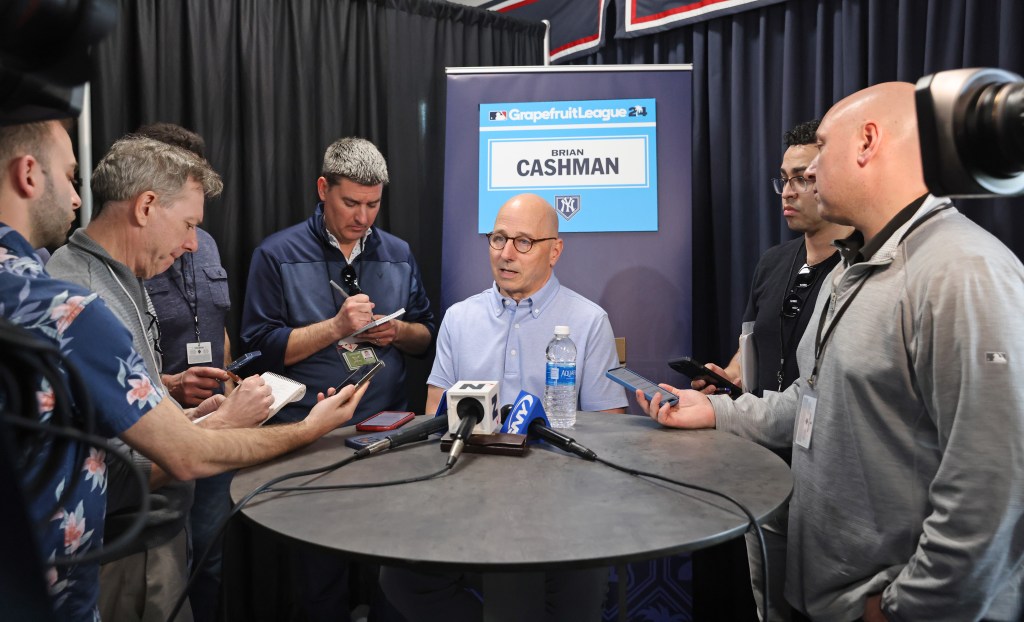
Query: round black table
{"type": "Point", "coordinates": [521, 515]}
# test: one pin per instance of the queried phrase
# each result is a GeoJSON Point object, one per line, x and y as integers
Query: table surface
{"type": "Point", "coordinates": [545, 510]}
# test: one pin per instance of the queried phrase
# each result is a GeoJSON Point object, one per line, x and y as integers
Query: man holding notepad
{"type": "Point", "coordinates": [314, 287]}
{"type": "Point", "coordinates": [150, 198]}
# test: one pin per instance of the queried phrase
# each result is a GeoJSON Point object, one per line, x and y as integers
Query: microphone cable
{"type": "Point", "coordinates": [750, 516]}
{"type": "Point", "coordinates": [569, 445]}
{"type": "Point", "coordinates": [268, 486]}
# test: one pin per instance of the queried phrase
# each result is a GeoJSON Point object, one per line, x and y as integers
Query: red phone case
{"type": "Point", "coordinates": [367, 425]}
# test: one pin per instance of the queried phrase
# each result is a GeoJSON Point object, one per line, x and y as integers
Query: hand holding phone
{"type": "Point", "coordinates": [240, 362]}
{"type": "Point", "coordinates": [364, 379]}
{"type": "Point", "coordinates": [697, 371]}
{"type": "Point", "coordinates": [633, 381]}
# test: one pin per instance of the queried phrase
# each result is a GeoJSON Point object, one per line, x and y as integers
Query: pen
{"type": "Point", "coordinates": [233, 376]}
{"type": "Point", "coordinates": [343, 293]}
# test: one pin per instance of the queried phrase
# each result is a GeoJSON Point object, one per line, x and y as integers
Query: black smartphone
{"type": "Point", "coordinates": [698, 371]}
{"type": "Point", "coordinates": [242, 361]}
{"type": "Point", "coordinates": [364, 379]}
{"type": "Point", "coordinates": [633, 381]}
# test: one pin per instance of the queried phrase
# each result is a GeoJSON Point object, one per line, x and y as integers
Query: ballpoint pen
{"type": "Point", "coordinates": [341, 291]}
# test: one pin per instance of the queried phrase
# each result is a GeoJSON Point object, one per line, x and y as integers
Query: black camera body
{"type": "Point", "coordinates": [44, 58]}
{"type": "Point", "coordinates": [971, 124]}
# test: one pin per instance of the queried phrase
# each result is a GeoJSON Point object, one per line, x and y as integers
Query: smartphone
{"type": "Point", "coordinates": [689, 367]}
{"type": "Point", "coordinates": [363, 380]}
{"type": "Point", "coordinates": [633, 381]}
{"type": "Point", "coordinates": [242, 361]}
{"type": "Point", "coordinates": [384, 421]}
{"type": "Point", "coordinates": [362, 440]}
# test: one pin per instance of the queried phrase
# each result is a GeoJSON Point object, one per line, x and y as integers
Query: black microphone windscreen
{"type": "Point", "coordinates": [469, 407]}
{"type": "Point", "coordinates": [418, 431]}
{"type": "Point", "coordinates": [505, 410]}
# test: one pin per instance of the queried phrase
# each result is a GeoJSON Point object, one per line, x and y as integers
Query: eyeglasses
{"type": "Point", "coordinates": [799, 183]}
{"type": "Point", "coordinates": [521, 243]}
{"type": "Point", "coordinates": [804, 279]}
{"type": "Point", "coordinates": [351, 280]}
{"type": "Point", "coordinates": [154, 331]}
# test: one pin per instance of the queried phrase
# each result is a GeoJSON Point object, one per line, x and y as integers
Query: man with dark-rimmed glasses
{"type": "Point", "coordinates": [501, 334]}
{"type": "Point", "coordinates": [786, 283]}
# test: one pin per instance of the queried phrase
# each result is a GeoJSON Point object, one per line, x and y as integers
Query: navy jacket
{"type": "Point", "coordinates": [289, 287]}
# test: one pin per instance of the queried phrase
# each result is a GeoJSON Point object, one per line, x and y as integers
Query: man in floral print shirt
{"type": "Point", "coordinates": [37, 203]}
{"type": "Point", "coordinates": [88, 335]}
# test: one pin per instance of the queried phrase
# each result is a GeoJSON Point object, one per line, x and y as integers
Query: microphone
{"type": "Point", "coordinates": [471, 403]}
{"type": "Point", "coordinates": [411, 434]}
{"type": "Point", "coordinates": [527, 416]}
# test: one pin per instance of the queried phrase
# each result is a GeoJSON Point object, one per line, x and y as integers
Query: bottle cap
{"type": "Point", "coordinates": [562, 331]}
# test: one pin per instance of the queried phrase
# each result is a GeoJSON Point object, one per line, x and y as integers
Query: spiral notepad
{"type": "Point", "coordinates": [284, 390]}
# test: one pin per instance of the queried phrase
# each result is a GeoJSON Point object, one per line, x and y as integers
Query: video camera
{"type": "Point", "coordinates": [971, 124]}
{"type": "Point", "coordinates": [44, 59]}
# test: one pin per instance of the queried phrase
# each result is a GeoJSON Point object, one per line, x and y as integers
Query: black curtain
{"type": "Point", "coordinates": [758, 73]}
{"type": "Point", "coordinates": [270, 83]}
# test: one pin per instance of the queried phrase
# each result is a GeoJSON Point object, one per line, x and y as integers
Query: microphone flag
{"type": "Point", "coordinates": [526, 409]}
{"type": "Point", "coordinates": [485, 394]}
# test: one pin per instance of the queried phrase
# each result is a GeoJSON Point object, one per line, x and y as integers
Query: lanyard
{"type": "Point", "coordinates": [193, 300]}
{"type": "Point", "coordinates": [785, 341]}
{"type": "Point", "coordinates": [154, 346]}
{"type": "Point", "coordinates": [821, 341]}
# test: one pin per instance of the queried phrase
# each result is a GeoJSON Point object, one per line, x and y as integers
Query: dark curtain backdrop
{"type": "Point", "coordinates": [758, 73]}
{"type": "Point", "coordinates": [270, 83]}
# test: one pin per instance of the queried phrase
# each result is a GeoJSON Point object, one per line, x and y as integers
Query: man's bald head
{"type": "Point", "coordinates": [521, 274]}
{"type": "Point", "coordinates": [869, 162]}
{"type": "Point", "coordinates": [534, 209]}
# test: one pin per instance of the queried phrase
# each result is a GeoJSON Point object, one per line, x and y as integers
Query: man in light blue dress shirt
{"type": "Point", "coordinates": [502, 333]}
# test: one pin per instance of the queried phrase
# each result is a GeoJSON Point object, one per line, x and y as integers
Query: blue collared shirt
{"type": "Point", "coordinates": [491, 337]}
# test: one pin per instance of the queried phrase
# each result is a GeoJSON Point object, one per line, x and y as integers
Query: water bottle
{"type": "Point", "coordinates": [560, 381]}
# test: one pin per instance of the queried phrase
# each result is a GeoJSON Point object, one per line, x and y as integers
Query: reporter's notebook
{"type": "Point", "coordinates": [284, 390]}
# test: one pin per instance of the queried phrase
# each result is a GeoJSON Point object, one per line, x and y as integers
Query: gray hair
{"type": "Point", "coordinates": [356, 159]}
{"type": "Point", "coordinates": [136, 164]}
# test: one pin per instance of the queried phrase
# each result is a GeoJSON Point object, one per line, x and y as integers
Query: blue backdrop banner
{"type": "Point", "coordinates": [624, 242]}
{"type": "Point", "coordinates": [594, 161]}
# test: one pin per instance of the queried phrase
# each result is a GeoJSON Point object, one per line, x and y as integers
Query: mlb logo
{"type": "Point", "coordinates": [499, 115]}
{"type": "Point", "coordinates": [568, 205]}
